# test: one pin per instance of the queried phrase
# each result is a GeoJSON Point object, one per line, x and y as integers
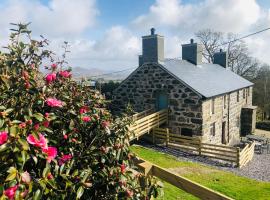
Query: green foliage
{"type": "Point", "coordinates": [61, 141]}
{"type": "Point", "coordinates": [264, 125]}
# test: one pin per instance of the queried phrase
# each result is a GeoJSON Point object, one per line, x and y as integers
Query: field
{"type": "Point", "coordinates": [227, 183]}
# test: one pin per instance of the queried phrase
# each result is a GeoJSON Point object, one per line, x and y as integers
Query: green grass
{"type": "Point", "coordinates": [227, 183]}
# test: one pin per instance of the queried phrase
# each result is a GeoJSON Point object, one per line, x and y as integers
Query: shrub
{"type": "Point", "coordinates": [57, 139]}
{"type": "Point", "coordinates": [264, 125]}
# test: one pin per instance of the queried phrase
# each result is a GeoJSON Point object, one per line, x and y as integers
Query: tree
{"type": "Point", "coordinates": [261, 92]}
{"type": "Point", "coordinates": [57, 139]}
{"type": "Point", "coordinates": [239, 59]}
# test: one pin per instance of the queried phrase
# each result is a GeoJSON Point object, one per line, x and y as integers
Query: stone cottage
{"type": "Point", "coordinates": [204, 100]}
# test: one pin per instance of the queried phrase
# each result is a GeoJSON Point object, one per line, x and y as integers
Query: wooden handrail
{"type": "Point", "coordinates": [180, 182]}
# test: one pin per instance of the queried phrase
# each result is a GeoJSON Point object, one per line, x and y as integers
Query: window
{"type": "Point", "coordinates": [186, 132]}
{"type": "Point", "coordinates": [213, 129]}
{"type": "Point", "coordinates": [248, 92]}
{"type": "Point", "coordinates": [237, 96]}
{"type": "Point", "coordinates": [244, 93]}
{"type": "Point", "coordinates": [212, 107]}
{"type": "Point", "coordinates": [224, 101]}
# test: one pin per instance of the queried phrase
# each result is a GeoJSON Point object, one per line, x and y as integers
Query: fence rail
{"type": "Point", "coordinates": [147, 123]}
{"type": "Point", "coordinates": [142, 114]}
{"type": "Point", "coordinates": [183, 183]}
{"type": "Point", "coordinates": [195, 146]}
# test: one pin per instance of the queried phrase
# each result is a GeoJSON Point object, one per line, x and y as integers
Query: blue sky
{"type": "Point", "coordinates": [106, 34]}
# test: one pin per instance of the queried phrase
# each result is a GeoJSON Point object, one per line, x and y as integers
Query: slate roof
{"type": "Point", "coordinates": [206, 79]}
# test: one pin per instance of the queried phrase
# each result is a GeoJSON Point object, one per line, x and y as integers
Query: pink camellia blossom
{"type": "Point", "coordinates": [49, 176]}
{"type": "Point", "coordinates": [26, 177]}
{"type": "Point", "coordinates": [22, 125]}
{"type": "Point", "coordinates": [65, 136]}
{"type": "Point", "coordinates": [52, 102]}
{"type": "Point", "coordinates": [86, 118]}
{"type": "Point", "coordinates": [65, 74]}
{"type": "Point", "coordinates": [50, 78]}
{"type": "Point", "coordinates": [51, 153]}
{"type": "Point", "coordinates": [41, 142]}
{"type": "Point", "coordinates": [3, 137]}
{"type": "Point", "coordinates": [105, 124]}
{"type": "Point", "coordinates": [46, 124]}
{"type": "Point", "coordinates": [83, 109]}
{"type": "Point", "coordinates": [10, 192]}
{"type": "Point", "coordinates": [36, 127]}
{"type": "Point", "coordinates": [64, 159]}
{"type": "Point", "coordinates": [54, 66]}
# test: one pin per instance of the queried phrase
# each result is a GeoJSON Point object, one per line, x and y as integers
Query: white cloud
{"type": "Point", "coordinates": [58, 18]}
{"type": "Point", "coordinates": [229, 15]}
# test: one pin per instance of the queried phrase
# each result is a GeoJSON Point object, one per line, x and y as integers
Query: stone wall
{"type": "Point", "coordinates": [231, 115]}
{"type": "Point", "coordinates": [140, 90]}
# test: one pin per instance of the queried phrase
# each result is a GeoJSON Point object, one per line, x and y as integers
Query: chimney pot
{"type": "Point", "coordinates": [220, 50]}
{"type": "Point", "coordinates": [191, 41]}
{"type": "Point", "coordinates": [152, 31]}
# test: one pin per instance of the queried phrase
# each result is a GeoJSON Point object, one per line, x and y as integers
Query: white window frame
{"type": "Point", "coordinates": [213, 129]}
{"type": "Point", "coordinates": [212, 106]}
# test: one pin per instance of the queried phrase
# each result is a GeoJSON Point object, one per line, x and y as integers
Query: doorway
{"type": "Point", "coordinates": [223, 137]}
{"type": "Point", "coordinates": [161, 101]}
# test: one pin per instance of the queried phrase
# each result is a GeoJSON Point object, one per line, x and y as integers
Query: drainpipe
{"type": "Point", "coordinates": [229, 100]}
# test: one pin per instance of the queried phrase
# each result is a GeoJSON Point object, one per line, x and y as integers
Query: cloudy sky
{"type": "Point", "coordinates": [106, 34]}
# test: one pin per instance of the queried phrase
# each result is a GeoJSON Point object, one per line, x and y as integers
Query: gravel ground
{"type": "Point", "coordinates": [258, 168]}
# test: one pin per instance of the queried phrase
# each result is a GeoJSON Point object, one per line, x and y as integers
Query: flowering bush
{"type": "Point", "coordinates": [57, 140]}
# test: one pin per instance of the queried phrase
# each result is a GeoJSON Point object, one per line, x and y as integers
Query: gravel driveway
{"type": "Point", "coordinates": [258, 168]}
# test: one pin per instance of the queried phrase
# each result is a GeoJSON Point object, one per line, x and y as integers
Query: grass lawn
{"type": "Point", "coordinates": [227, 183]}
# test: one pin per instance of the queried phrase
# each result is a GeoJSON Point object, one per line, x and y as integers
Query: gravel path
{"type": "Point", "coordinates": [258, 168]}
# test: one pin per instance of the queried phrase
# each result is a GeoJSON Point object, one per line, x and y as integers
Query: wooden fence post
{"type": "Point", "coordinates": [167, 137]}
{"type": "Point", "coordinates": [153, 136]}
{"type": "Point", "coordinates": [238, 156]}
{"type": "Point", "coordinates": [200, 147]}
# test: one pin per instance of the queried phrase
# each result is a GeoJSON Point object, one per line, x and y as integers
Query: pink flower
{"type": "Point", "coordinates": [123, 168]}
{"type": "Point", "coordinates": [65, 136]}
{"type": "Point", "coordinates": [83, 109]}
{"type": "Point", "coordinates": [41, 142]}
{"type": "Point", "coordinates": [22, 125]}
{"type": "Point", "coordinates": [26, 177]}
{"type": "Point", "coordinates": [50, 78]}
{"type": "Point", "coordinates": [86, 118]}
{"type": "Point", "coordinates": [51, 153]}
{"type": "Point", "coordinates": [54, 66]}
{"type": "Point", "coordinates": [3, 137]}
{"type": "Point", "coordinates": [46, 124]}
{"type": "Point", "coordinates": [47, 115]}
{"type": "Point", "coordinates": [52, 102]}
{"type": "Point", "coordinates": [105, 124]}
{"type": "Point", "coordinates": [65, 74]}
{"type": "Point", "coordinates": [10, 192]}
{"type": "Point", "coordinates": [49, 176]}
{"type": "Point", "coordinates": [64, 159]}
{"type": "Point", "coordinates": [36, 127]}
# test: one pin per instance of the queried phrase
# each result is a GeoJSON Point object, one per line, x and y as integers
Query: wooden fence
{"type": "Point", "coordinates": [195, 146]}
{"type": "Point", "coordinates": [146, 124]}
{"type": "Point", "coordinates": [183, 183]}
{"type": "Point", "coordinates": [142, 114]}
{"type": "Point", "coordinates": [246, 154]}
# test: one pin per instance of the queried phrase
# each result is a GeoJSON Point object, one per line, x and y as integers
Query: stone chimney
{"type": "Point", "coordinates": [192, 52]}
{"type": "Point", "coordinates": [221, 58]}
{"type": "Point", "coordinates": [152, 48]}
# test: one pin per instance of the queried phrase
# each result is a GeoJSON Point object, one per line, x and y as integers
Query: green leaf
{"type": "Point", "coordinates": [71, 125]}
{"type": "Point", "coordinates": [2, 121]}
{"type": "Point", "coordinates": [12, 174]}
{"type": "Point", "coordinates": [80, 192]}
{"type": "Point", "coordinates": [38, 116]}
{"type": "Point", "coordinates": [2, 108]}
{"type": "Point", "coordinates": [9, 110]}
{"type": "Point", "coordinates": [37, 195]}
{"type": "Point", "coordinates": [13, 131]}
{"type": "Point", "coordinates": [24, 144]}
{"type": "Point", "coordinates": [3, 147]}
{"type": "Point", "coordinates": [45, 171]}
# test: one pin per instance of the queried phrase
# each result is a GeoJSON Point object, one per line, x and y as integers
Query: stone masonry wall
{"type": "Point", "coordinates": [140, 89]}
{"type": "Point", "coordinates": [231, 115]}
